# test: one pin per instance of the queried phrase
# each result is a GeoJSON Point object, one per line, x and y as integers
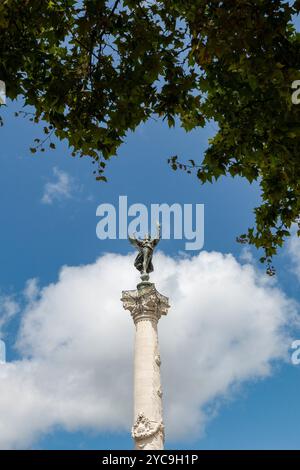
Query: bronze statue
{"type": "Point", "coordinates": [143, 261]}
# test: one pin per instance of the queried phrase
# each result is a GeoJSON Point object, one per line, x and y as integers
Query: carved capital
{"type": "Point", "coordinates": [145, 303]}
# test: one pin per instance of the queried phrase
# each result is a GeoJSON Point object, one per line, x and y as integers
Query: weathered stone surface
{"type": "Point", "coordinates": [146, 306]}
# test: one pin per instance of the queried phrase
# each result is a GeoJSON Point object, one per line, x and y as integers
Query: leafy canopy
{"type": "Point", "coordinates": [95, 69]}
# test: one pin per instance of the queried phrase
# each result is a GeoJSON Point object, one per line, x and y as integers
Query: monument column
{"type": "Point", "coordinates": [146, 306]}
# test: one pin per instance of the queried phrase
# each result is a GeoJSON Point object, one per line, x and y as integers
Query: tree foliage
{"type": "Point", "coordinates": [95, 69]}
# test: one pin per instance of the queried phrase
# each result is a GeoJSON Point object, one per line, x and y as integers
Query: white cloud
{"type": "Point", "coordinates": [246, 255]}
{"type": "Point", "coordinates": [60, 188]}
{"type": "Point", "coordinates": [226, 325]}
{"type": "Point", "coordinates": [31, 290]}
{"type": "Point", "coordinates": [8, 309]}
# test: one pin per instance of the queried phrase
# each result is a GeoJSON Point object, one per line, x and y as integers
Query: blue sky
{"type": "Point", "coordinates": [37, 239]}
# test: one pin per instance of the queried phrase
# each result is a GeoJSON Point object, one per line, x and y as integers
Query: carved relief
{"type": "Point", "coordinates": [158, 360]}
{"type": "Point", "coordinates": [144, 428]}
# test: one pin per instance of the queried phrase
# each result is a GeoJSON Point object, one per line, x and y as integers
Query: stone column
{"type": "Point", "coordinates": [146, 306]}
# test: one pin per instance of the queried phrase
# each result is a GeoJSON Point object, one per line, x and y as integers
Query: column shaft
{"type": "Point", "coordinates": [147, 305]}
{"type": "Point", "coordinates": [147, 385]}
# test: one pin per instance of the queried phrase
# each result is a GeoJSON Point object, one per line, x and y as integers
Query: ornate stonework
{"type": "Point", "coordinates": [143, 427]}
{"type": "Point", "coordinates": [145, 303]}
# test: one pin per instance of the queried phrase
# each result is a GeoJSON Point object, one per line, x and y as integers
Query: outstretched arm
{"type": "Point", "coordinates": [134, 241]}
